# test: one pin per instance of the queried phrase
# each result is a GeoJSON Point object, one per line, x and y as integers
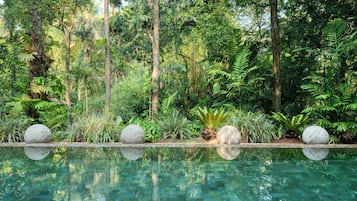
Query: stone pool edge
{"type": "Point", "coordinates": [188, 145]}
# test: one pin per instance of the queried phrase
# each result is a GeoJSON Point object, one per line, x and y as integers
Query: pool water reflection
{"type": "Point", "coordinates": [204, 174]}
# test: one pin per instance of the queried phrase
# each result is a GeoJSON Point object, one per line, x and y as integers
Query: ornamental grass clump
{"type": "Point", "coordinates": [96, 129]}
{"type": "Point", "coordinates": [256, 127]}
{"type": "Point", "coordinates": [175, 126]}
{"type": "Point", "coordinates": [12, 129]}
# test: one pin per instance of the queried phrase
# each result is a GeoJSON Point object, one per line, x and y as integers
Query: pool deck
{"type": "Point", "coordinates": [189, 145]}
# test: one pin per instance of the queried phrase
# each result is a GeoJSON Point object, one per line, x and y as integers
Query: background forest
{"type": "Point", "coordinates": [86, 69]}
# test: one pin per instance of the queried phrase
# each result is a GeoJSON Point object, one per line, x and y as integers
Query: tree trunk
{"type": "Point", "coordinates": [39, 65]}
{"type": "Point", "coordinates": [107, 57]}
{"type": "Point", "coordinates": [12, 66]}
{"type": "Point", "coordinates": [86, 61]}
{"type": "Point", "coordinates": [68, 78]}
{"type": "Point", "coordinates": [86, 95]}
{"type": "Point", "coordinates": [155, 39]}
{"type": "Point", "coordinates": [275, 36]}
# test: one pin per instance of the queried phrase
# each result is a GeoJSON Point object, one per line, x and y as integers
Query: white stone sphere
{"type": "Point", "coordinates": [132, 134]}
{"type": "Point", "coordinates": [37, 133]}
{"type": "Point", "coordinates": [228, 135]}
{"type": "Point", "coordinates": [315, 135]}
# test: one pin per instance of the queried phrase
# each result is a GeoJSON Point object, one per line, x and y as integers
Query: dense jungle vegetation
{"type": "Point", "coordinates": [86, 69]}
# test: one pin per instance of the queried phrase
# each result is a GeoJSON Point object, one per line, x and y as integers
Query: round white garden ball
{"type": "Point", "coordinates": [132, 134]}
{"type": "Point", "coordinates": [315, 135]}
{"type": "Point", "coordinates": [37, 133]}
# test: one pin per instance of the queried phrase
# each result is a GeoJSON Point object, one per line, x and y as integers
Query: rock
{"type": "Point", "coordinates": [37, 153]}
{"type": "Point", "coordinates": [229, 135]}
{"type": "Point", "coordinates": [228, 153]}
{"type": "Point", "coordinates": [132, 134]}
{"type": "Point", "coordinates": [132, 153]}
{"type": "Point", "coordinates": [315, 154]}
{"type": "Point", "coordinates": [315, 135]}
{"type": "Point", "coordinates": [37, 133]}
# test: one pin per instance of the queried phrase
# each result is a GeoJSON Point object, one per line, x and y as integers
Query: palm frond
{"type": "Point", "coordinates": [210, 118]}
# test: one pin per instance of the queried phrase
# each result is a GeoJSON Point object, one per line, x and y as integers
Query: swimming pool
{"type": "Point", "coordinates": [197, 174]}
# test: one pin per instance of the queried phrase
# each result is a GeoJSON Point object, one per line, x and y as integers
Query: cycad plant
{"type": "Point", "coordinates": [292, 127]}
{"type": "Point", "coordinates": [210, 118]}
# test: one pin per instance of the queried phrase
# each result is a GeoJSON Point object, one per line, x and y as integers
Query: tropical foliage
{"type": "Point", "coordinates": [205, 53]}
{"type": "Point", "coordinates": [292, 127]}
{"type": "Point", "coordinates": [211, 119]}
{"type": "Point", "coordinates": [95, 128]}
{"type": "Point", "coordinates": [333, 86]}
{"type": "Point", "coordinates": [255, 126]}
{"type": "Point", "coordinates": [13, 129]}
{"type": "Point", "coordinates": [175, 126]}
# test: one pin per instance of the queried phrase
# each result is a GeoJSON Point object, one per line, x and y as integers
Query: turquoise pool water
{"type": "Point", "coordinates": [199, 174]}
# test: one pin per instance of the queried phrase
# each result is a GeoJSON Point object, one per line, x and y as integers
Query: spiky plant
{"type": "Point", "coordinates": [255, 127]}
{"type": "Point", "coordinates": [175, 126]}
{"type": "Point", "coordinates": [210, 118]}
{"type": "Point", "coordinates": [292, 127]}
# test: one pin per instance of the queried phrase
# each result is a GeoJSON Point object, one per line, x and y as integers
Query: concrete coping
{"type": "Point", "coordinates": [179, 145]}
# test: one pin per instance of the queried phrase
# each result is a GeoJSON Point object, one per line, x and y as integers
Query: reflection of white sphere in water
{"type": "Point", "coordinates": [315, 154]}
{"type": "Point", "coordinates": [228, 153]}
{"type": "Point", "coordinates": [132, 153]}
{"type": "Point", "coordinates": [37, 153]}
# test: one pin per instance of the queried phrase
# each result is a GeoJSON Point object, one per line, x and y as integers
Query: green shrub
{"type": "Point", "coordinates": [175, 126]}
{"type": "Point", "coordinates": [130, 95]}
{"type": "Point", "coordinates": [61, 136]}
{"type": "Point", "coordinates": [292, 127]}
{"type": "Point", "coordinates": [151, 128]}
{"type": "Point", "coordinates": [255, 127]}
{"type": "Point", "coordinates": [333, 87]}
{"type": "Point", "coordinates": [12, 129]}
{"type": "Point", "coordinates": [95, 128]}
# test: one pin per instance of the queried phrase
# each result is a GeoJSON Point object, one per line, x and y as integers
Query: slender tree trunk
{"type": "Point", "coordinates": [68, 78]}
{"type": "Point", "coordinates": [86, 94]}
{"type": "Point", "coordinates": [107, 56]}
{"type": "Point", "coordinates": [275, 36]}
{"type": "Point", "coordinates": [86, 60]}
{"type": "Point", "coordinates": [12, 66]}
{"type": "Point", "coordinates": [155, 39]}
